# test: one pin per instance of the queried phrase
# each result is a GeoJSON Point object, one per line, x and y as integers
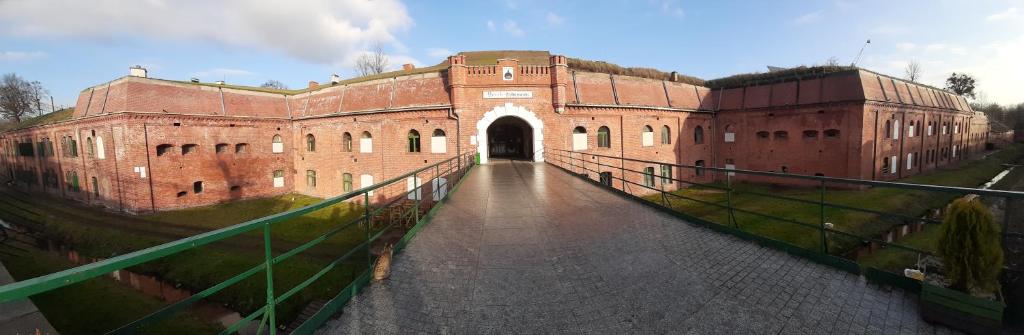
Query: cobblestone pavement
{"type": "Point", "coordinates": [527, 248]}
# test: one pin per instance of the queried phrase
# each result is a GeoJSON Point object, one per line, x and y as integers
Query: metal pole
{"type": "Point", "coordinates": [366, 208]}
{"type": "Point", "coordinates": [269, 259]}
{"type": "Point", "coordinates": [1006, 218]}
{"type": "Point", "coordinates": [821, 205]}
{"type": "Point", "coordinates": [728, 199]}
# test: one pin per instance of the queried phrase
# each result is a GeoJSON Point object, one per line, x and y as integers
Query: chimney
{"type": "Point", "coordinates": [335, 78]}
{"type": "Point", "coordinates": [408, 67]}
{"type": "Point", "coordinates": [674, 76]}
{"type": "Point", "coordinates": [137, 71]}
{"type": "Point", "coordinates": [313, 85]}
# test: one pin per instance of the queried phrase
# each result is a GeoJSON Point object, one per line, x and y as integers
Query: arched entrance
{"type": "Point", "coordinates": [516, 132]}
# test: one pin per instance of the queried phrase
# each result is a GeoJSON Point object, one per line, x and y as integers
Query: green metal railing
{"type": "Point", "coordinates": [628, 177]}
{"type": "Point", "coordinates": [393, 206]}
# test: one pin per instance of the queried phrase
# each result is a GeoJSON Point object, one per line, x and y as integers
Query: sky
{"type": "Point", "coordinates": [70, 45]}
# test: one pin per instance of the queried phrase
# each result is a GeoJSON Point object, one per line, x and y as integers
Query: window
{"type": "Point", "coordinates": [763, 134]}
{"type": "Point", "coordinates": [163, 149]}
{"type": "Point", "coordinates": [89, 149]}
{"type": "Point", "coordinates": [346, 182]}
{"type": "Point", "coordinates": [579, 139]}
{"type": "Point", "coordinates": [278, 178]}
{"type": "Point", "coordinates": [606, 178]}
{"type": "Point", "coordinates": [182, 194]}
{"type": "Point", "coordinates": [945, 128]}
{"type": "Point", "coordinates": [366, 143]}
{"type": "Point", "coordinates": [666, 174]}
{"type": "Point", "coordinates": [439, 188]}
{"type": "Point", "coordinates": [311, 178]}
{"type": "Point", "coordinates": [931, 128]}
{"type": "Point", "coordinates": [310, 143]}
{"type": "Point", "coordinates": [189, 148]}
{"type": "Point", "coordinates": [365, 181]}
{"type": "Point", "coordinates": [785, 169]}
{"type": "Point", "coordinates": [100, 152]}
{"type": "Point", "coordinates": [666, 135]}
{"type": "Point", "coordinates": [896, 129]}
{"type": "Point", "coordinates": [910, 129]}
{"type": "Point", "coordinates": [413, 191]}
{"type": "Point", "coordinates": [730, 136]}
{"type": "Point", "coordinates": [74, 146]}
{"type": "Point", "coordinates": [895, 163]}
{"type": "Point", "coordinates": [810, 134]}
{"type": "Point", "coordinates": [885, 165]}
{"type": "Point", "coordinates": [197, 187]}
{"type": "Point", "coordinates": [888, 128]}
{"type": "Point", "coordinates": [221, 148]}
{"type": "Point", "coordinates": [649, 176]}
{"type": "Point", "coordinates": [414, 141]}
{"type": "Point", "coordinates": [647, 136]}
{"type": "Point", "coordinates": [241, 148]}
{"type": "Point", "coordinates": [438, 142]}
{"type": "Point", "coordinates": [910, 161]}
{"type": "Point", "coordinates": [346, 142]}
{"type": "Point", "coordinates": [698, 135]}
{"type": "Point", "coordinates": [781, 134]}
{"type": "Point", "coordinates": [604, 138]}
{"type": "Point", "coordinates": [95, 187]}
{"type": "Point", "coordinates": [699, 171]}
{"type": "Point", "coordinates": [235, 188]}
{"type": "Point", "coordinates": [730, 164]}
{"type": "Point", "coordinates": [833, 133]}
{"type": "Point", "coordinates": [276, 145]}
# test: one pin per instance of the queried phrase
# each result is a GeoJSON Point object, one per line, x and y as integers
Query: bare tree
{"type": "Point", "coordinates": [274, 84]}
{"type": "Point", "coordinates": [913, 71]}
{"type": "Point", "coordinates": [832, 61]}
{"type": "Point", "coordinates": [20, 98]}
{"type": "Point", "coordinates": [372, 62]}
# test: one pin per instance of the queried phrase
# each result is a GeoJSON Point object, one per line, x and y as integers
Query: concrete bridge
{"type": "Point", "coordinates": [527, 248]}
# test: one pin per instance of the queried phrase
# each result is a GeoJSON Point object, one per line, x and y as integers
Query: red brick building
{"type": "Point", "coordinates": [142, 144]}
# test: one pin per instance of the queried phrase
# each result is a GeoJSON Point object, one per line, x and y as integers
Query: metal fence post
{"type": "Point", "coordinates": [728, 200]}
{"type": "Point", "coordinates": [824, 232]}
{"type": "Point", "coordinates": [369, 221]}
{"type": "Point", "coordinates": [269, 259]}
{"type": "Point", "coordinates": [1006, 219]}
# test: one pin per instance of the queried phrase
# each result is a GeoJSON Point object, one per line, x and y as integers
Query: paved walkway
{"type": "Point", "coordinates": [526, 248]}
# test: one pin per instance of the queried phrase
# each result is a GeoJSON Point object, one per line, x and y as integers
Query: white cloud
{"type": "Point", "coordinates": [553, 19]}
{"type": "Point", "coordinates": [1010, 13]}
{"type": "Point", "coordinates": [669, 7]}
{"type": "Point", "coordinates": [313, 30]}
{"type": "Point", "coordinates": [219, 73]}
{"type": "Point", "coordinates": [809, 18]}
{"type": "Point", "coordinates": [439, 52]}
{"type": "Point", "coordinates": [15, 56]}
{"type": "Point", "coordinates": [889, 29]}
{"type": "Point", "coordinates": [512, 28]}
{"type": "Point", "coordinates": [906, 46]}
{"type": "Point", "coordinates": [490, 25]}
{"type": "Point", "coordinates": [935, 47]}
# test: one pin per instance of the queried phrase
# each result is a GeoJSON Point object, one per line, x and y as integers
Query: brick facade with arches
{"type": "Point", "coordinates": [170, 144]}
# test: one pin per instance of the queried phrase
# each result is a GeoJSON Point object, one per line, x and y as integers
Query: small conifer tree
{"type": "Point", "coordinates": [970, 246]}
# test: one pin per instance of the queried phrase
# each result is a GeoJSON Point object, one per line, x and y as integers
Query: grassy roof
{"type": "Point", "coordinates": [525, 57]}
{"type": "Point", "coordinates": [745, 79]}
{"type": "Point", "coordinates": [58, 116]}
{"type": "Point", "coordinates": [643, 72]}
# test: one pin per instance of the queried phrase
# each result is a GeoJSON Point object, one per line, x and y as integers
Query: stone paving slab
{"type": "Point", "coordinates": [526, 248]}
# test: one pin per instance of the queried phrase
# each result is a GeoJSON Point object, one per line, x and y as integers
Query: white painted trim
{"type": "Point", "coordinates": [508, 109]}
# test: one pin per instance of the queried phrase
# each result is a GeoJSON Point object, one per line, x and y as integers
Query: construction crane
{"type": "Point", "coordinates": [857, 59]}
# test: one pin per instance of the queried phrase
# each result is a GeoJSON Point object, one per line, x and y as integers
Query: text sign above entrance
{"type": "Point", "coordinates": [508, 94]}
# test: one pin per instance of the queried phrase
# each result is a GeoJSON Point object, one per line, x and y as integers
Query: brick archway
{"type": "Point", "coordinates": [520, 112]}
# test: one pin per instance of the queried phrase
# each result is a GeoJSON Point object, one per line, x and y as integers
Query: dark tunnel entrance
{"type": "Point", "coordinates": [510, 137]}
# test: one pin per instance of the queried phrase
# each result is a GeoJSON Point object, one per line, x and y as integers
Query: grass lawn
{"type": "Point", "coordinates": [204, 267]}
{"type": "Point", "coordinates": [79, 309]}
{"type": "Point", "coordinates": [904, 202]}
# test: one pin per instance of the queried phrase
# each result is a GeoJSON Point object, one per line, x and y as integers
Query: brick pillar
{"type": "Point", "coordinates": [456, 82]}
{"type": "Point", "coordinates": [559, 80]}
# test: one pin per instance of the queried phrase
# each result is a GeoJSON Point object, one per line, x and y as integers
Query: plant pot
{"type": "Point", "coordinates": [960, 310]}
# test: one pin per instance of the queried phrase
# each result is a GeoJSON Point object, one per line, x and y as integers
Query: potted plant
{"type": "Point", "coordinates": [972, 258]}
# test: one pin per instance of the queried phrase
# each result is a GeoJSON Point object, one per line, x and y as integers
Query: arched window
{"type": "Point", "coordinates": [781, 134]}
{"type": "Point", "coordinates": [438, 142]}
{"type": "Point", "coordinates": [95, 187]}
{"type": "Point", "coordinates": [163, 149]}
{"type": "Point", "coordinates": [699, 171]}
{"type": "Point", "coordinates": [763, 134]}
{"type": "Point", "coordinates": [810, 134]}
{"type": "Point", "coordinates": [366, 143]}
{"type": "Point", "coordinates": [730, 135]}
{"type": "Point", "coordinates": [931, 128]}
{"type": "Point", "coordinates": [241, 148]}
{"type": "Point", "coordinates": [666, 135]}
{"type": "Point", "coordinates": [189, 149]}
{"type": "Point", "coordinates": [220, 148]}
{"type": "Point", "coordinates": [346, 182]}
{"type": "Point", "coordinates": [100, 151]}
{"type": "Point", "coordinates": [89, 150]}
{"type": "Point", "coordinates": [647, 136]}
{"type": "Point", "coordinates": [896, 129]}
{"type": "Point", "coordinates": [579, 138]}
{"type": "Point", "coordinates": [311, 178]}
{"type": "Point", "coordinates": [414, 141]}
{"type": "Point", "coordinates": [885, 165]}
{"type": "Point", "coordinates": [832, 133]}
{"type": "Point", "coordinates": [310, 143]}
{"type": "Point", "coordinates": [649, 176]}
{"type": "Point", "coordinates": [277, 145]}
{"type": "Point", "coordinates": [278, 178]}
{"type": "Point", "coordinates": [910, 129]}
{"type": "Point", "coordinates": [888, 129]}
{"type": "Point", "coordinates": [698, 135]}
{"type": "Point", "coordinates": [74, 181]}
{"type": "Point", "coordinates": [346, 142]}
{"type": "Point", "coordinates": [604, 137]}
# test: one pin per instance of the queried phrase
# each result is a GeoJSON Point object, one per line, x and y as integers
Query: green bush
{"type": "Point", "coordinates": [970, 246]}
